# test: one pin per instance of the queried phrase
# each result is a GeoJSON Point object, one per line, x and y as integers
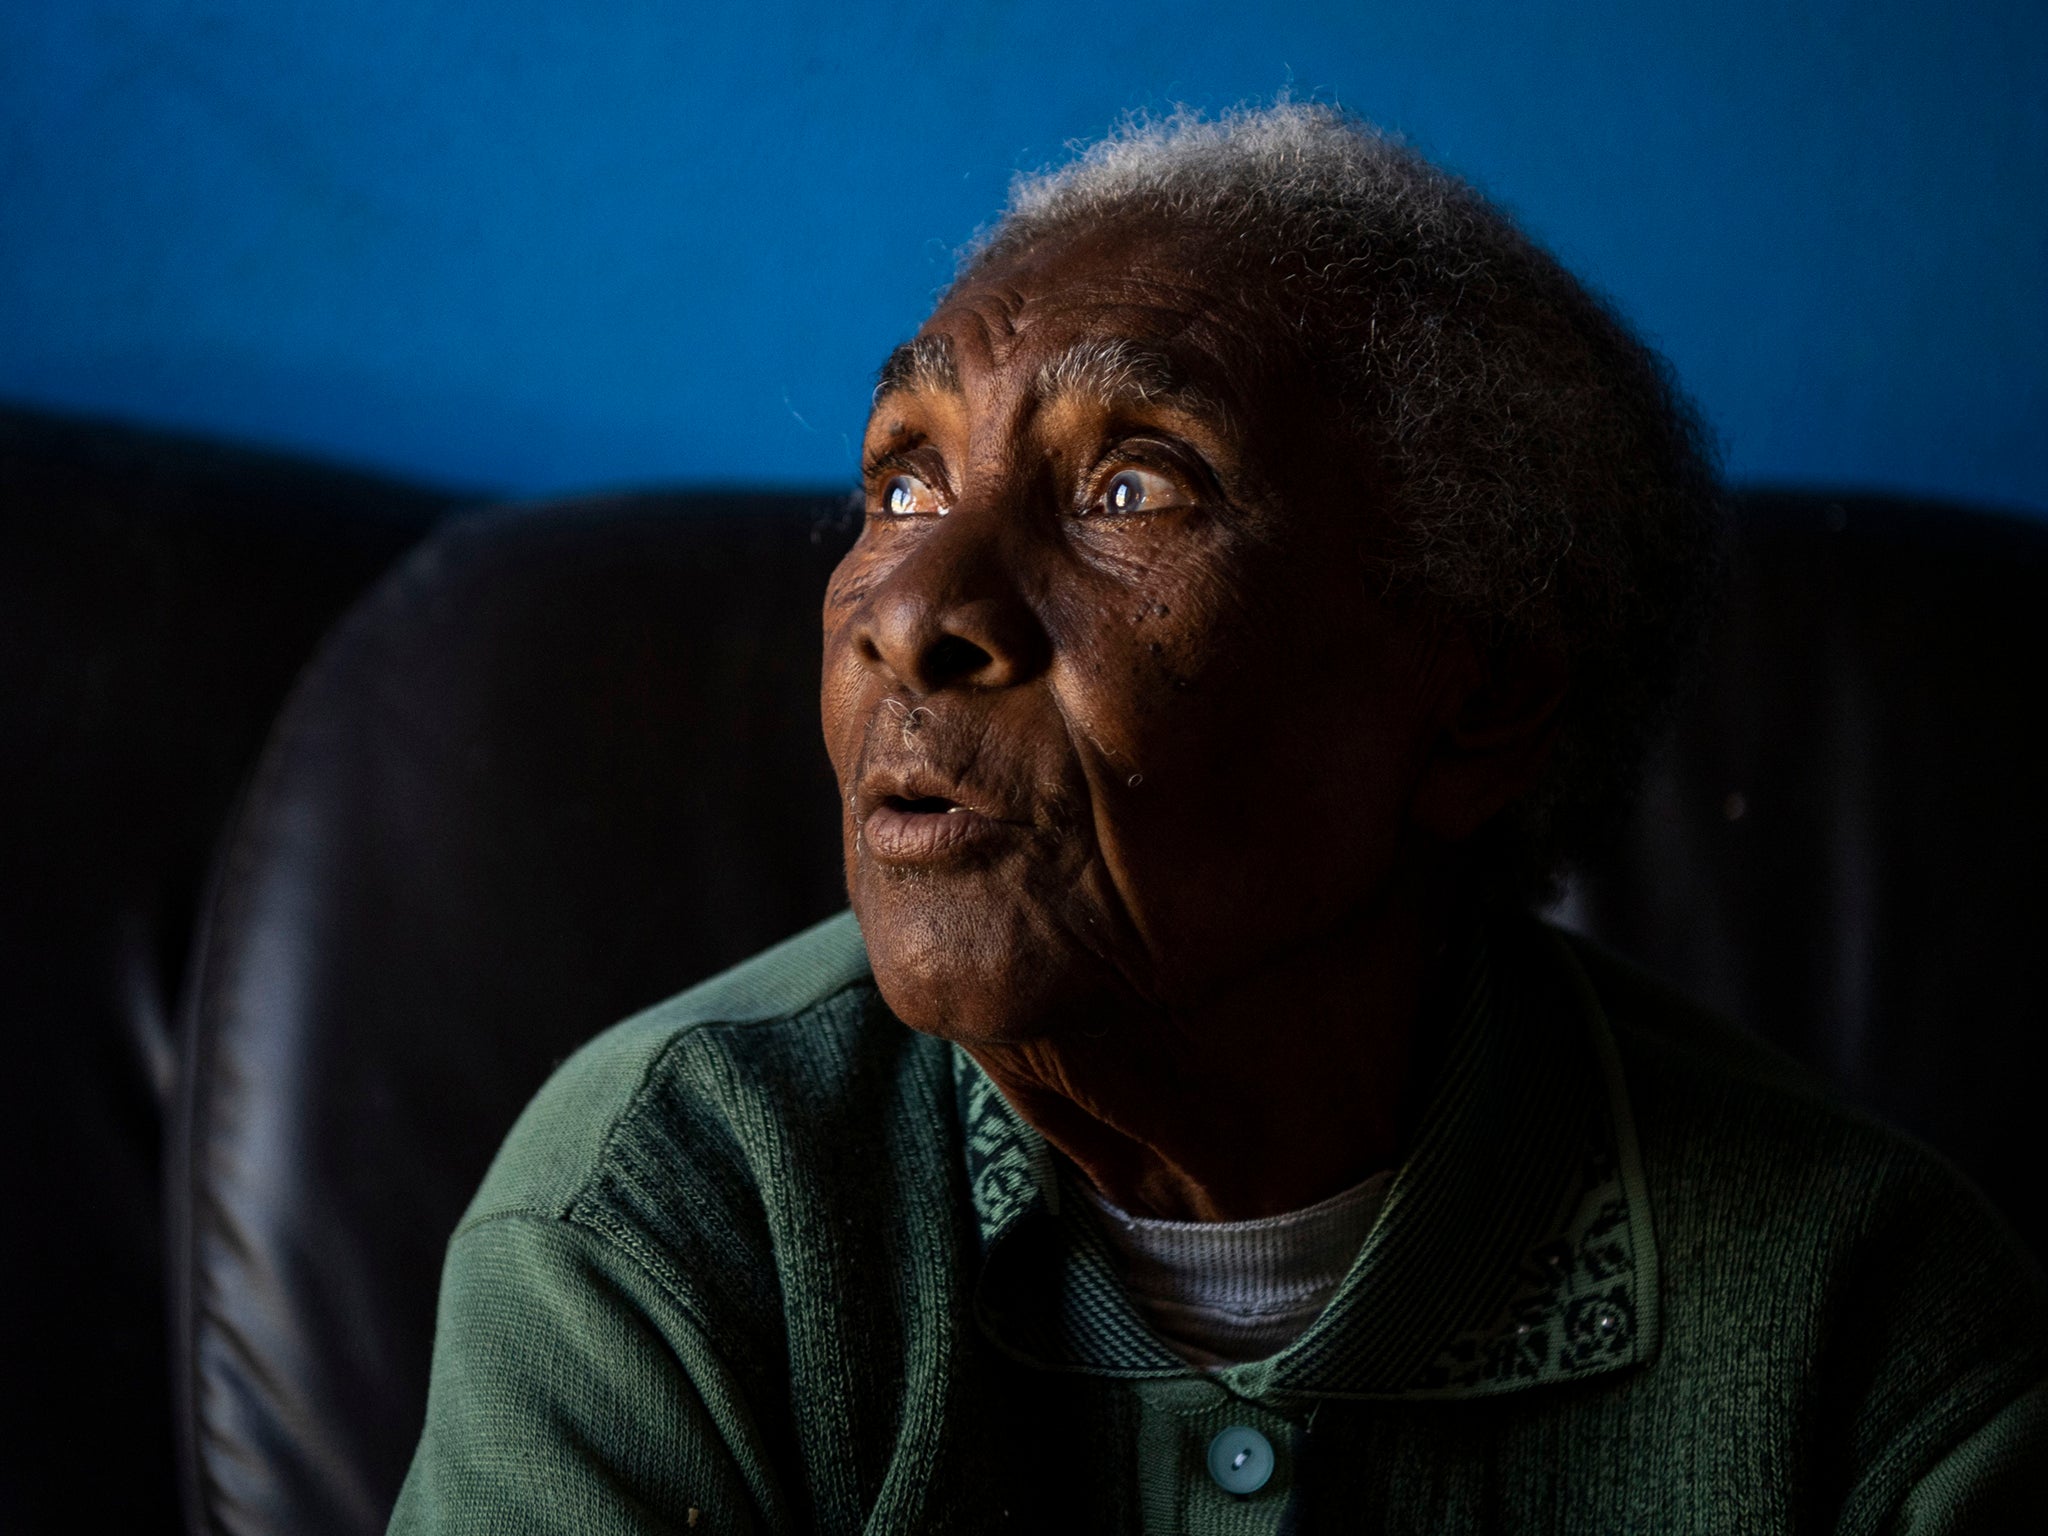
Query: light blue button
{"type": "Point", "coordinates": [1240, 1459]}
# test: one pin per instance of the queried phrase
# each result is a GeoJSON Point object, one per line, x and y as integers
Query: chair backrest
{"type": "Point", "coordinates": [1845, 845]}
{"type": "Point", "coordinates": [562, 763]}
{"type": "Point", "coordinates": [566, 761]}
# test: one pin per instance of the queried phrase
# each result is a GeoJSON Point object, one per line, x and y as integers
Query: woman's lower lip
{"type": "Point", "coordinates": [897, 836]}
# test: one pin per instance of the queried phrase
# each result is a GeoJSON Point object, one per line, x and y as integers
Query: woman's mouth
{"type": "Point", "coordinates": [924, 829]}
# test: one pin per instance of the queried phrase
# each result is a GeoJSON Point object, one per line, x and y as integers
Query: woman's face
{"type": "Point", "coordinates": [1116, 711]}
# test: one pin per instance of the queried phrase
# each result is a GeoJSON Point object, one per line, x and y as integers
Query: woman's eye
{"type": "Point", "coordinates": [907, 496]}
{"type": "Point", "coordinates": [1135, 490]}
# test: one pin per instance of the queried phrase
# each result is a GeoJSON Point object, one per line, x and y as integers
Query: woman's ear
{"type": "Point", "coordinates": [1497, 733]}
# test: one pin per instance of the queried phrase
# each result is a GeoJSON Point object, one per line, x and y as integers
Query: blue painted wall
{"type": "Point", "coordinates": [535, 246]}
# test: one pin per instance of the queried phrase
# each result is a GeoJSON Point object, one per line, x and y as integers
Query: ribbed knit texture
{"type": "Point", "coordinates": [764, 1260]}
{"type": "Point", "coordinates": [1223, 1292]}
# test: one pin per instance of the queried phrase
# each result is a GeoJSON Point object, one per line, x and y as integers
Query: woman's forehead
{"type": "Point", "coordinates": [1118, 327]}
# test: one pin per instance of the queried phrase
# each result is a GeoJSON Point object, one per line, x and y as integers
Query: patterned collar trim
{"type": "Point", "coordinates": [1514, 1250]}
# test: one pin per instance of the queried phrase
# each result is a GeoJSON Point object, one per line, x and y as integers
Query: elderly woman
{"type": "Point", "coordinates": [1273, 566]}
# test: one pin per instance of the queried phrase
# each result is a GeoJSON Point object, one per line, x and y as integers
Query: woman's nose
{"type": "Point", "coordinates": [953, 613]}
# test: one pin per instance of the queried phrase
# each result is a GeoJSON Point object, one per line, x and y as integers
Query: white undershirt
{"type": "Point", "coordinates": [1223, 1292]}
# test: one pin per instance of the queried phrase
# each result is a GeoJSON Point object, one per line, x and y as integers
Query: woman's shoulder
{"type": "Point", "coordinates": [1707, 1092]}
{"type": "Point", "coordinates": [697, 1082]}
{"type": "Point", "coordinates": [1755, 1166]}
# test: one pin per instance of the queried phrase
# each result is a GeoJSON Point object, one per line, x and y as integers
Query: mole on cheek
{"type": "Point", "coordinates": [1159, 674]}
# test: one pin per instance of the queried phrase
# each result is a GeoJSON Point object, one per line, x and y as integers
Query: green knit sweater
{"type": "Point", "coordinates": [764, 1260]}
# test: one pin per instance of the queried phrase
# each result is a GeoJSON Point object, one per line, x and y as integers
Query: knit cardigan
{"type": "Point", "coordinates": [764, 1260]}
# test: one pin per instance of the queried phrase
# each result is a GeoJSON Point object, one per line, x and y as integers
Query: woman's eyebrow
{"type": "Point", "coordinates": [1116, 371]}
{"type": "Point", "coordinates": [1111, 371]}
{"type": "Point", "coordinates": [922, 363]}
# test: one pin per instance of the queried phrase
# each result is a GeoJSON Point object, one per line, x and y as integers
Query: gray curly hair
{"type": "Point", "coordinates": [1549, 483]}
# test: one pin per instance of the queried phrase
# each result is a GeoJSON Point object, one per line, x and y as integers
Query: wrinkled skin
{"type": "Point", "coordinates": [1152, 800]}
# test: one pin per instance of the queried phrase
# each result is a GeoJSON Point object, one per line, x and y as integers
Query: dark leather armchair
{"type": "Point", "coordinates": [1846, 846]}
{"type": "Point", "coordinates": [563, 760]}
{"type": "Point", "coordinates": [157, 596]}
{"type": "Point", "coordinates": [566, 760]}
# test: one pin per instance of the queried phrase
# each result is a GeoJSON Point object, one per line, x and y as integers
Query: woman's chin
{"type": "Point", "coordinates": [979, 979]}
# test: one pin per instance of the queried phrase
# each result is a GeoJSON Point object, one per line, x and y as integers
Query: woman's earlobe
{"type": "Point", "coordinates": [1495, 745]}
{"type": "Point", "coordinates": [1518, 698]}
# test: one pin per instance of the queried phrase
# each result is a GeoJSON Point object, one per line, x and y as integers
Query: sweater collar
{"type": "Point", "coordinates": [1514, 1249]}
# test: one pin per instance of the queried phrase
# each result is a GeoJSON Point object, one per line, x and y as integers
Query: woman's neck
{"type": "Point", "coordinates": [1286, 1087]}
